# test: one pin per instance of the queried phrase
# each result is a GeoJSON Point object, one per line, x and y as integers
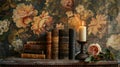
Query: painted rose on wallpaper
{"type": "Point", "coordinates": [23, 15]}
{"type": "Point", "coordinates": [80, 15]}
{"type": "Point", "coordinates": [29, 22]}
{"type": "Point", "coordinates": [41, 23]}
{"type": "Point", "coordinates": [67, 4]}
{"type": "Point", "coordinates": [23, 20]}
{"type": "Point", "coordinates": [26, 15]}
{"type": "Point", "coordinates": [97, 26]}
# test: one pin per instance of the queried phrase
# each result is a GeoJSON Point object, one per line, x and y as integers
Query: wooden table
{"type": "Point", "coordinates": [20, 62]}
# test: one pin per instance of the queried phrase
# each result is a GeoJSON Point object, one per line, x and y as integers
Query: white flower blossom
{"type": "Point", "coordinates": [84, 13]}
{"type": "Point", "coordinates": [17, 44]}
{"type": "Point", "coordinates": [69, 14]}
{"type": "Point", "coordinates": [79, 8]}
{"type": "Point", "coordinates": [114, 42]}
{"type": "Point", "coordinates": [4, 26]}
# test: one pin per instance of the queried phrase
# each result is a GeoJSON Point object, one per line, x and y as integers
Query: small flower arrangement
{"type": "Point", "coordinates": [96, 54]}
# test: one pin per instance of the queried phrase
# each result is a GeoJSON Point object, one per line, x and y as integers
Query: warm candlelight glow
{"type": "Point", "coordinates": [77, 18]}
{"type": "Point", "coordinates": [83, 23]}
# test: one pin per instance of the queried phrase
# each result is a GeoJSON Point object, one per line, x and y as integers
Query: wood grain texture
{"type": "Point", "coordinates": [19, 62]}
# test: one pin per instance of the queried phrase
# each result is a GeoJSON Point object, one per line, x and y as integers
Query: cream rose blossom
{"type": "Point", "coordinates": [94, 49]}
{"type": "Point", "coordinates": [41, 23]}
{"type": "Point", "coordinates": [23, 15]}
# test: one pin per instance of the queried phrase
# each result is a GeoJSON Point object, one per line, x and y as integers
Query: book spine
{"type": "Point", "coordinates": [55, 39]}
{"type": "Point", "coordinates": [34, 56]}
{"type": "Point", "coordinates": [48, 46]}
{"type": "Point", "coordinates": [36, 42]}
{"type": "Point", "coordinates": [34, 51]}
{"type": "Point", "coordinates": [63, 44]}
{"type": "Point", "coordinates": [72, 44]}
{"type": "Point", "coordinates": [34, 47]}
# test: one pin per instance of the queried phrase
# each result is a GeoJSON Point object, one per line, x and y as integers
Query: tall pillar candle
{"type": "Point", "coordinates": [82, 33]}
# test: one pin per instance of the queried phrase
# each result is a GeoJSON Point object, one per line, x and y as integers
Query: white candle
{"type": "Point", "coordinates": [82, 33]}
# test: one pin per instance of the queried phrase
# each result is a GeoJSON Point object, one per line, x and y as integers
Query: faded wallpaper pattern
{"type": "Point", "coordinates": [29, 20]}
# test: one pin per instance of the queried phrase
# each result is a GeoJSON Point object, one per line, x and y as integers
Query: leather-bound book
{"type": "Point", "coordinates": [63, 44]}
{"type": "Point", "coordinates": [55, 39]}
{"type": "Point", "coordinates": [72, 41]}
{"type": "Point", "coordinates": [33, 56]}
{"type": "Point", "coordinates": [48, 45]}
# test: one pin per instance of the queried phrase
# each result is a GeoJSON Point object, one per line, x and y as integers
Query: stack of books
{"type": "Point", "coordinates": [34, 49]}
{"type": "Point", "coordinates": [59, 44]}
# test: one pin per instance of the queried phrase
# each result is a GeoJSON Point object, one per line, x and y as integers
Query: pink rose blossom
{"type": "Point", "coordinates": [94, 49]}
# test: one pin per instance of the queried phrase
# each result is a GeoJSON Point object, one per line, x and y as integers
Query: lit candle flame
{"type": "Point", "coordinates": [83, 23]}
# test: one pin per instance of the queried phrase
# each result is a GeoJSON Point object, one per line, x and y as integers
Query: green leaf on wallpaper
{"type": "Point", "coordinates": [13, 5]}
{"type": "Point", "coordinates": [5, 6]}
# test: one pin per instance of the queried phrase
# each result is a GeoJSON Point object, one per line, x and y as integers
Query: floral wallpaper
{"type": "Point", "coordinates": [22, 21]}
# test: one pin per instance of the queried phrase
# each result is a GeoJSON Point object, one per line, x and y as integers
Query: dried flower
{"type": "Point", "coordinates": [114, 42]}
{"type": "Point", "coordinates": [94, 49]}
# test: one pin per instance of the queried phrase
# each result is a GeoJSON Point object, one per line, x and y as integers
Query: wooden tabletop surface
{"type": "Point", "coordinates": [23, 61]}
